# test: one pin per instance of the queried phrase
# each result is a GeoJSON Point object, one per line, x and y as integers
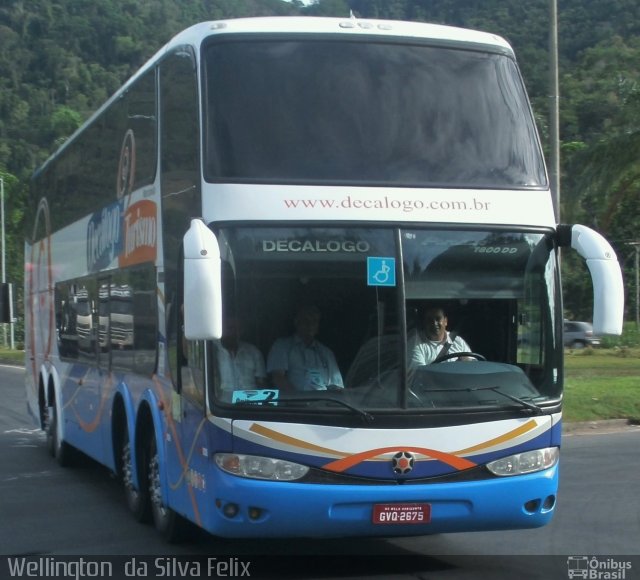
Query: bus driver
{"type": "Point", "coordinates": [438, 340]}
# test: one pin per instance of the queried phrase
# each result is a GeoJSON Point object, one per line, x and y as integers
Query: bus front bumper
{"type": "Point", "coordinates": [253, 508]}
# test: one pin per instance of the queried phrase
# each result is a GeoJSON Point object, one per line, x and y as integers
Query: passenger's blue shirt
{"type": "Point", "coordinates": [308, 368]}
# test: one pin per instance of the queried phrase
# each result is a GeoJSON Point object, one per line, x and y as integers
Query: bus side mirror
{"type": "Point", "coordinates": [202, 283]}
{"type": "Point", "coordinates": [608, 290]}
{"type": "Point", "coordinates": [6, 302]}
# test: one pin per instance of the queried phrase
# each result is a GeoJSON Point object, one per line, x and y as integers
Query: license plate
{"type": "Point", "coordinates": [401, 513]}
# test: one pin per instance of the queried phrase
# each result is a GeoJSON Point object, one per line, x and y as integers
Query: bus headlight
{"type": "Point", "coordinates": [257, 467]}
{"type": "Point", "coordinates": [527, 462]}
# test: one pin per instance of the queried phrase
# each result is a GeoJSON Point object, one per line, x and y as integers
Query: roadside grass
{"type": "Point", "coordinates": [599, 383]}
{"type": "Point", "coordinates": [11, 357]}
{"type": "Point", "coordinates": [602, 384]}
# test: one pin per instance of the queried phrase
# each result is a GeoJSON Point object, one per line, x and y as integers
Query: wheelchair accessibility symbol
{"type": "Point", "coordinates": [381, 271]}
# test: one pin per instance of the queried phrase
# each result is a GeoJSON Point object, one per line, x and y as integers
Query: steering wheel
{"type": "Point", "coordinates": [451, 355]}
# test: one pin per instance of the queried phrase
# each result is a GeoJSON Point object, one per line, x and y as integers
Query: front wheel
{"type": "Point", "coordinates": [172, 526]}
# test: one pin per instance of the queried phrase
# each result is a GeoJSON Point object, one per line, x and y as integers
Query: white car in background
{"type": "Point", "coordinates": [579, 334]}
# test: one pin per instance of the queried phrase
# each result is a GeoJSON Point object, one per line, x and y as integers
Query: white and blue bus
{"type": "Point", "coordinates": [370, 168]}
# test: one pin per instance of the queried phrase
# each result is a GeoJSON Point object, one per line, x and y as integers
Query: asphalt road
{"type": "Point", "coordinates": [50, 512]}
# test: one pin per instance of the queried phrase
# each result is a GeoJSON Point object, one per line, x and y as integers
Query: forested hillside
{"type": "Point", "coordinates": [60, 59]}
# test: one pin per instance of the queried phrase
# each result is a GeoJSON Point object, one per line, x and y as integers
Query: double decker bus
{"type": "Point", "coordinates": [368, 167]}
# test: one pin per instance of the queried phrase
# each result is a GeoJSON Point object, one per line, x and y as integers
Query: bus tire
{"type": "Point", "coordinates": [58, 448]}
{"type": "Point", "coordinates": [137, 499]}
{"type": "Point", "coordinates": [171, 525]}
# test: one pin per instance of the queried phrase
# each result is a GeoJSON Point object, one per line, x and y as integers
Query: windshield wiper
{"type": "Point", "coordinates": [522, 402]}
{"type": "Point", "coordinates": [527, 404]}
{"type": "Point", "coordinates": [366, 417]}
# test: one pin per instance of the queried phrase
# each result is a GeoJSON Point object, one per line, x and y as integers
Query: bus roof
{"type": "Point", "coordinates": [344, 26]}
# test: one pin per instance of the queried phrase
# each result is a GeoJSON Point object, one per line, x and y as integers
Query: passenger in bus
{"type": "Point", "coordinates": [240, 364]}
{"type": "Point", "coordinates": [435, 340]}
{"type": "Point", "coordinates": [300, 362]}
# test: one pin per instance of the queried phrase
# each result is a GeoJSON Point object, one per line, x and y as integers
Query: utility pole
{"type": "Point", "coordinates": [4, 273]}
{"type": "Point", "coordinates": [554, 117]}
{"type": "Point", "coordinates": [4, 269]}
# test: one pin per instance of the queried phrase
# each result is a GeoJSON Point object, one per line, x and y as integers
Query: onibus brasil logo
{"type": "Point", "coordinates": [597, 568]}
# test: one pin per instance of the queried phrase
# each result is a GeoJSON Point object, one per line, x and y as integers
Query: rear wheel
{"type": "Point", "coordinates": [55, 444]}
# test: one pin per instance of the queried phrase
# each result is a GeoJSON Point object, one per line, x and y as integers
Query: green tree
{"type": "Point", "coordinates": [14, 193]}
{"type": "Point", "coordinates": [61, 59]}
{"type": "Point", "coordinates": [64, 121]}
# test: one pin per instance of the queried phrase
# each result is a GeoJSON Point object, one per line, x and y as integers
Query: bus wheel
{"type": "Point", "coordinates": [172, 526]}
{"type": "Point", "coordinates": [137, 499]}
{"type": "Point", "coordinates": [57, 447]}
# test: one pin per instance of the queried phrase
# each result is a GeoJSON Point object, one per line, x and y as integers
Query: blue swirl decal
{"type": "Point", "coordinates": [104, 236]}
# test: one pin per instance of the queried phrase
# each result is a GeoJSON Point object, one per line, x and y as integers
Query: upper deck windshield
{"type": "Point", "coordinates": [372, 289]}
{"type": "Point", "coordinates": [296, 110]}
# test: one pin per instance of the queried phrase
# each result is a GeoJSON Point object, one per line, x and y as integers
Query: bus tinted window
{"type": "Point", "coordinates": [115, 320]}
{"type": "Point", "coordinates": [369, 113]}
{"type": "Point", "coordinates": [133, 319]}
{"type": "Point", "coordinates": [75, 306]}
{"type": "Point", "coordinates": [113, 156]}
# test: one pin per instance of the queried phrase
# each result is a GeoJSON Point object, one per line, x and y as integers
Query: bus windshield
{"type": "Point", "coordinates": [372, 289]}
{"type": "Point", "coordinates": [376, 113]}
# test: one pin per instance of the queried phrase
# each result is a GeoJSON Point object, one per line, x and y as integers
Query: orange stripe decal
{"type": "Point", "coordinates": [282, 438]}
{"type": "Point", "coordinates": [528, 426]}
{"type": "Point", "coordinates": [176, 438]}
{"type": "Point", "coordinates": [347, 460]}
{"type": "Point", "coordinates": [344, 464]}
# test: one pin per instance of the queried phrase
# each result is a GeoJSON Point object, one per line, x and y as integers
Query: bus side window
{"type": "Point", "coordinates": [179, 127]}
